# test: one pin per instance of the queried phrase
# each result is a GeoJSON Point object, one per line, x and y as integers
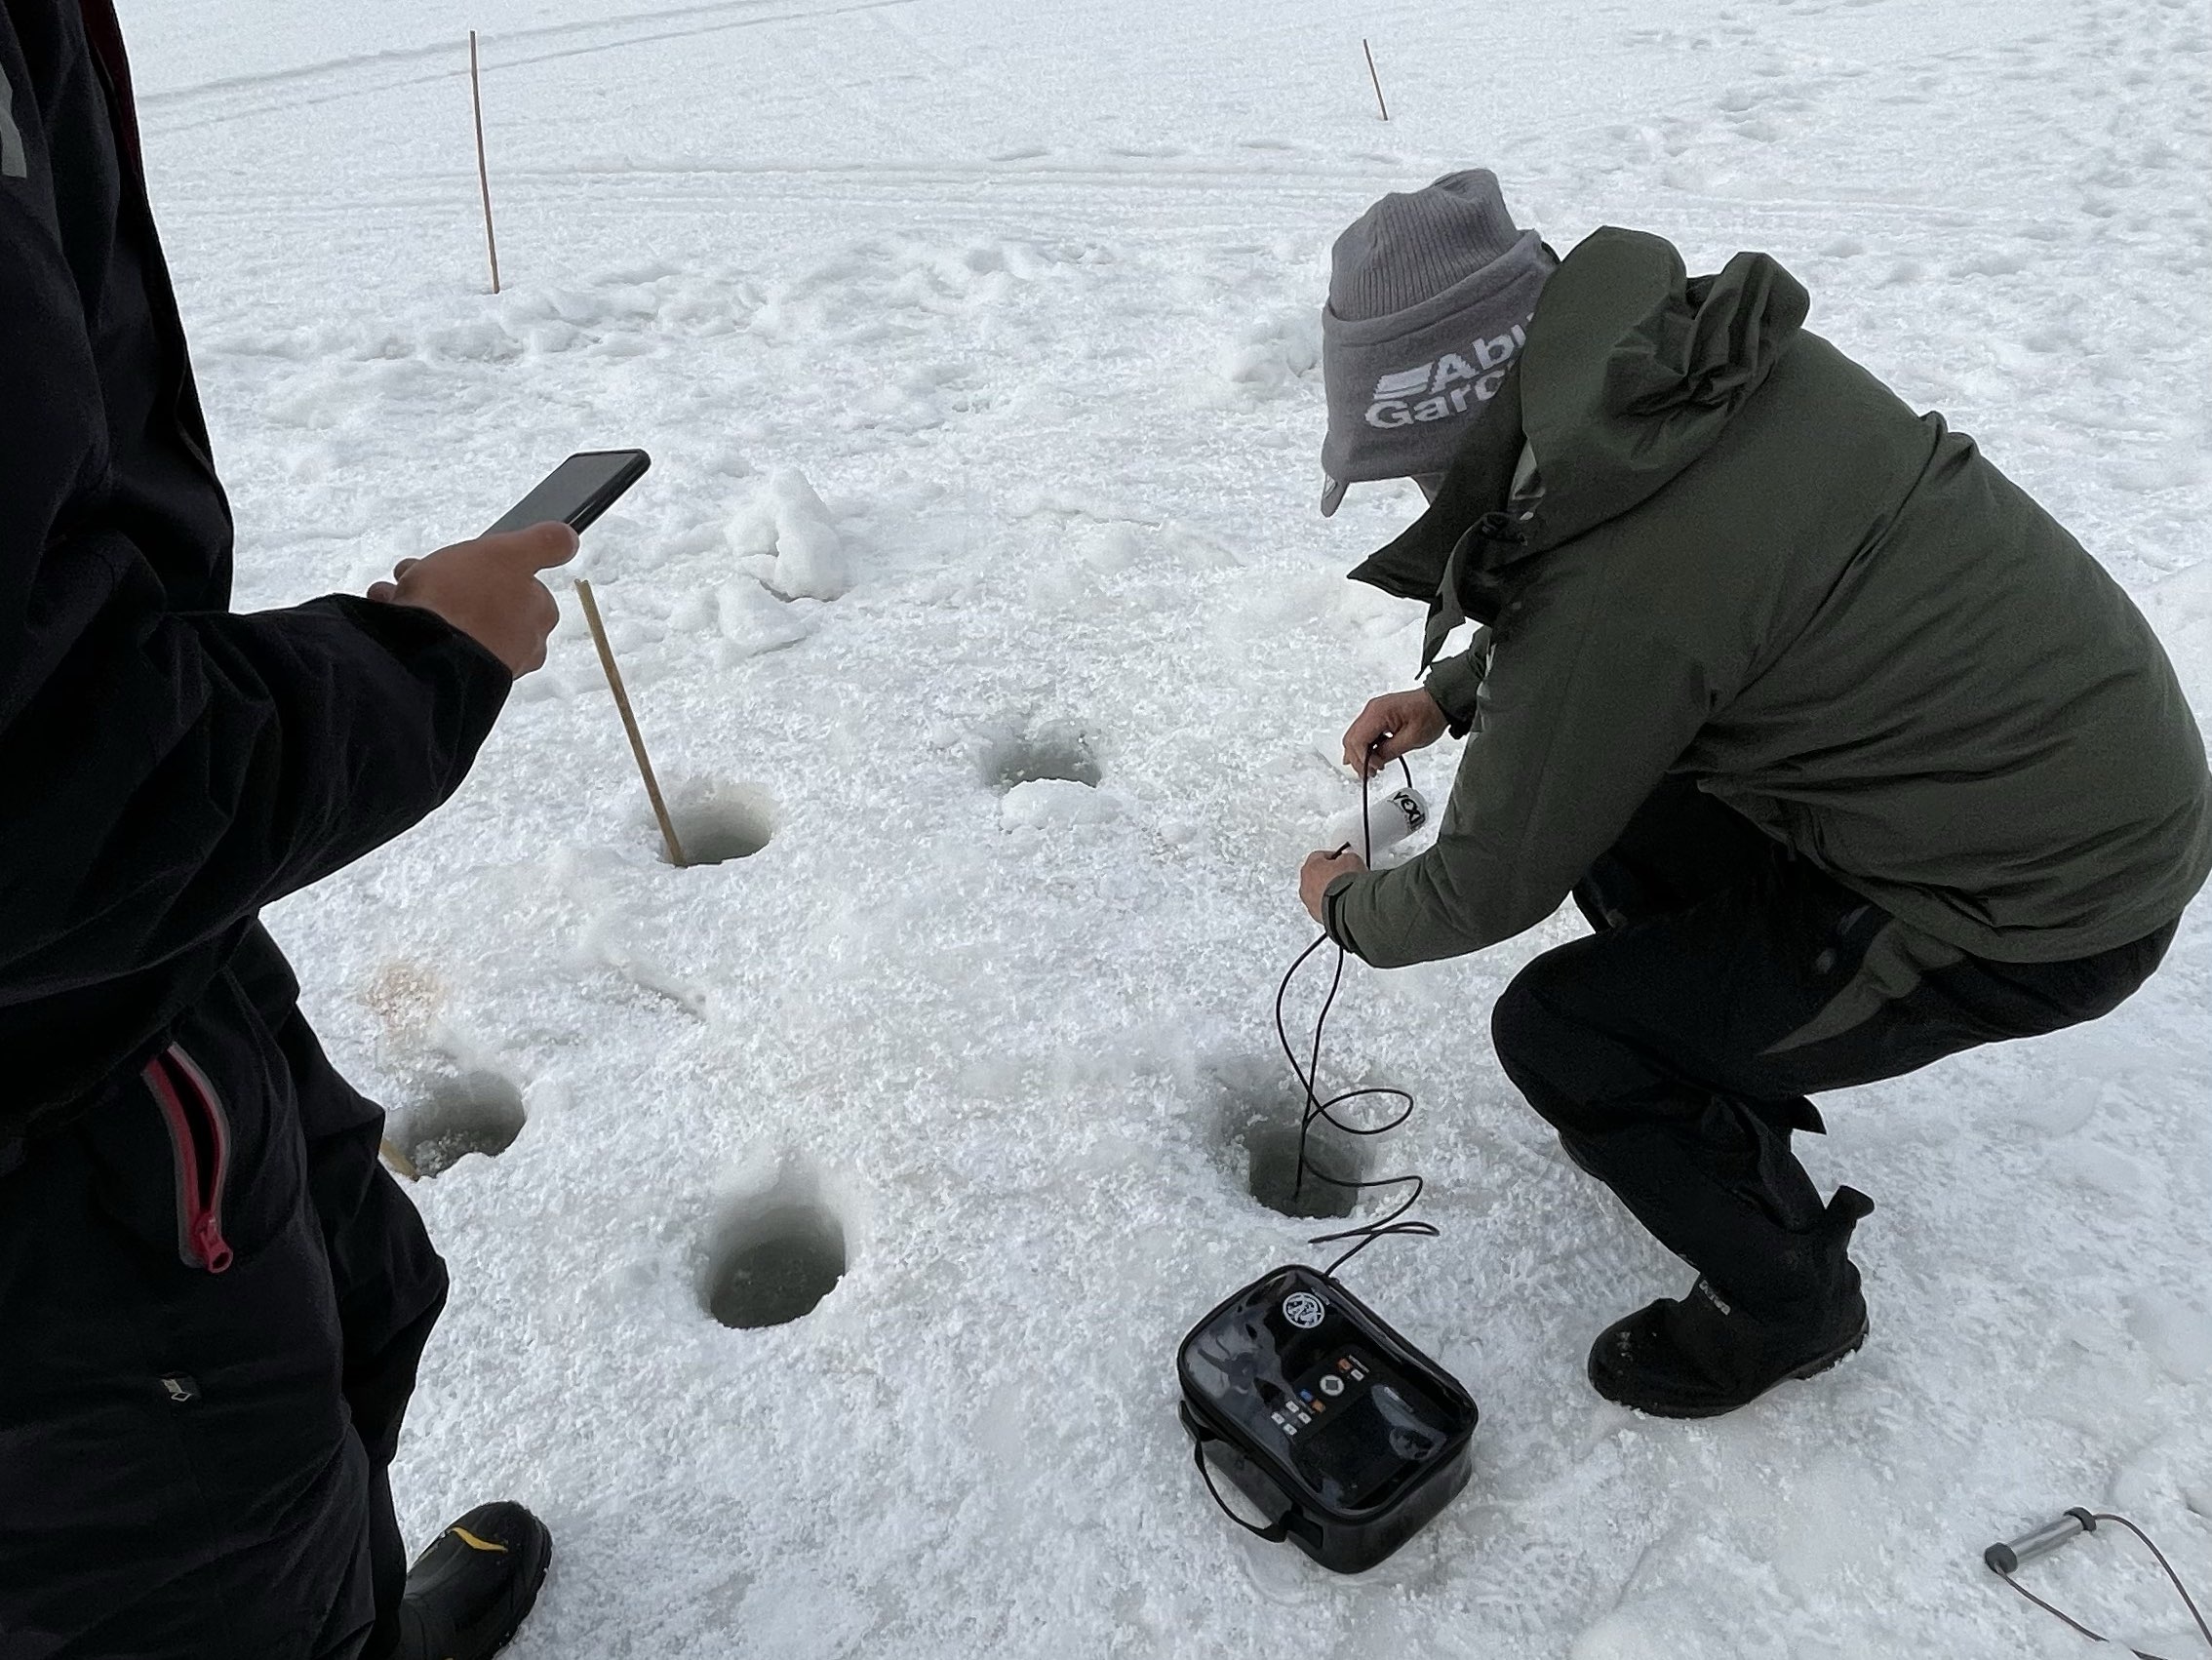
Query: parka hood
{"type": "Point", "coordinates": [1631, 373]}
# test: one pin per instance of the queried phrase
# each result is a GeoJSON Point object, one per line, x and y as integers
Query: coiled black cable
{"type": "Point", "coordinates": [1307, 1073]}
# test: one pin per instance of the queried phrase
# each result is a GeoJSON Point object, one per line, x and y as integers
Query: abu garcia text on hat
{"type": "Point", "coordinates": [1440, 390]}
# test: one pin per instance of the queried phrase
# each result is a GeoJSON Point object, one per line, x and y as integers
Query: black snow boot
{"type": "Point", "coordinates": [1711, 1352]}
{"type": "Point", "coordinates": [471, 1589]}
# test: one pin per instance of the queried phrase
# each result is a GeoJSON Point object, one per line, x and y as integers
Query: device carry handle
{"type": "Point", "coordinates": [1274, 1533]}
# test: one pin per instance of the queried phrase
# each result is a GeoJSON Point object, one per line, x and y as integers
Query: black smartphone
{"type": "Point", "coordinates": [578, 491]}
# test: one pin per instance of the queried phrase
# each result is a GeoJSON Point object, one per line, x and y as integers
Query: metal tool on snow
{"type": "Point", "coordinates": [2005, 1559]}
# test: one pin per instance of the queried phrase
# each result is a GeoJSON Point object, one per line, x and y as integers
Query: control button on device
{"type": "Point", "coordinates": [1332, 1385]}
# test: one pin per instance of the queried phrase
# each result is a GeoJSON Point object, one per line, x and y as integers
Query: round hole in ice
{"type": "Point", "coordinates": [720, 822]}
{"type": "Point", "coordinates": [1272, 1152]}
{"type": "Point", "coordinates": [1053, 752]}
{"type": "Point", "coordinates": [777, 1263]}
{"type": "Point", "coordinates": [475, 1112]}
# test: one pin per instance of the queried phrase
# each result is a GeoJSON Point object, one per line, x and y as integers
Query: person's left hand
{"type": "Point", "coordinates": [1322, 869]}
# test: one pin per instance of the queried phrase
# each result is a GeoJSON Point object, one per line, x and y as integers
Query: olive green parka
{"type": "Point", "coordinates": [1706, 544]}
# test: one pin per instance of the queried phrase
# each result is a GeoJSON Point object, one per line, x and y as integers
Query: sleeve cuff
{"type": "Point", "coordinates": [465, 684]}
{"type": "Point", "coordinates": [402, 628]}
{"type": "Point", "coordinates": [1332, 909]}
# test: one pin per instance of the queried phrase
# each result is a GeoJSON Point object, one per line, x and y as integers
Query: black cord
{"type": "Point", "coordinates": [2099, 1637]}
{"type": "Point", "coordinates": [1315, 1107]}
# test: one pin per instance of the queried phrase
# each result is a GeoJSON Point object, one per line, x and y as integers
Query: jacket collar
{"type": "Point", "coordinates": [1484, 520]}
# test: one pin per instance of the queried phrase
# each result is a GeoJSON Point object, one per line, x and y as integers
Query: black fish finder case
{"type": "Point", "coordinates": [1344, 1436]}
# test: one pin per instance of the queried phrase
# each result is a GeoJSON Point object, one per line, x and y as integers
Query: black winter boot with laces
{"type": "Point", "coordinates": [469, 1592]}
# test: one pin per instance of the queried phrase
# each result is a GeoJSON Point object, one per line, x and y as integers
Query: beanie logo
{"type": "Point", "coordinates": [1440, 389]}
{"type": "Point", "coordinates": [1405, 383]}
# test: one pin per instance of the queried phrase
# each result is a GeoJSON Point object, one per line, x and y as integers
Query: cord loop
{"type": "Point", "coordinates": [1315, 1107]}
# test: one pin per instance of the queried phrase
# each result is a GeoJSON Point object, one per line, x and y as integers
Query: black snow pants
{"type": "Point", "coordinates": [1727, 979]}
{"type": "Point", "coordinates": [213, 1299]}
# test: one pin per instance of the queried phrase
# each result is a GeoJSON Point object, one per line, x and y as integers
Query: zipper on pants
{"type": "Point", "coordinates": [199, 1134]}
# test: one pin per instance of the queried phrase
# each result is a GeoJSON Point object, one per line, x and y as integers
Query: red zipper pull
{"type": "Point", "coordinates": [199, 1186]}
{"type": "Point", "coordinates": [208, 1240]}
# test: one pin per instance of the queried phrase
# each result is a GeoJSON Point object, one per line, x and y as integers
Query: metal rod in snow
{"type": "Point", "coordinates": [1372, 76]}
{"type": "Point", "coordinates": [482, 174]}
{"type": "Point", "coordinates": [630, 723]}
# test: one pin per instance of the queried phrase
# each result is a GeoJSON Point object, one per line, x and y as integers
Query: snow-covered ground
{"type": "Point", "coordinates": [984, 332]}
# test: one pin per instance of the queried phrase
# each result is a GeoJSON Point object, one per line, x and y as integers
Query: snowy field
{"type": "Point", "coordinates": [974, 343]}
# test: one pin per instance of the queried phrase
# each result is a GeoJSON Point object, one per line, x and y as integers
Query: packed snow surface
{"type": "Point", "coordinates": [994, 655]}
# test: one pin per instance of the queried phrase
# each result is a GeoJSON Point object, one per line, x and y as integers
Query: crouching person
{"type": "Point", "coordinates": [1851, 755]}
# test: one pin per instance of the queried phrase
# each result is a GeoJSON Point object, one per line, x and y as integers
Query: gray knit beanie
{"type": "Point", "coordinates": [1430, 294]}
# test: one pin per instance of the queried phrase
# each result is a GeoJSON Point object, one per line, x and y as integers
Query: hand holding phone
{"type": "Point", "coordinates": [489, 588]}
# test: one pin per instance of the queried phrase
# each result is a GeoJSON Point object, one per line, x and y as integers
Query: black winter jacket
{"type": "Point", "coordinates": [166, 767]}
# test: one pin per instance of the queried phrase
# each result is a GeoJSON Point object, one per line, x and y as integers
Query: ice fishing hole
{"type": "Point", "coordinates": [1053, 752]}
{"type": "Point", "coordinates": [476, 1112]}
{"type": "Point", "coordinates": [721, 823]}
{"type": "Point", "coordinates": [777, 1263]}
{"type": "Point", "coordinates": [1272, 1153]}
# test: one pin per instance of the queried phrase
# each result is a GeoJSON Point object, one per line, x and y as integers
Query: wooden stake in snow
{"type": "Point", "coordinates": [1372, 75]}
{"type": "Point", "coordinates": [630, 723]}
{"type": "Point", "coordinates": [482, 174]}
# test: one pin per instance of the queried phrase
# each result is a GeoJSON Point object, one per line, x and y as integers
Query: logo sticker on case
{"type": "Point", "coordinates": [1304, 1310]}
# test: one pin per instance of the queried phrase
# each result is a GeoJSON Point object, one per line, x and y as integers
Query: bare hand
{"type": "Point", "coordinates": [1394, 724]}
{"type": "Point", "coordinates": [1318, 871]}
{"type": "Point", "coordinates": [488, 589]}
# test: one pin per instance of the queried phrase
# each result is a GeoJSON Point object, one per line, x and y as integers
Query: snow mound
{"type": "Point", "coordinates": [800, 550]}
{"type": "Point", "coordinates": [1040, 802]}
{"type": "Point", "coordinates": [753, 622]}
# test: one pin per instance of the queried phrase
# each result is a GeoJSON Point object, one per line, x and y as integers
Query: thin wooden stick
{"type": "Point", "coordinates": [630, 723]}
{"type": "Point", "coordinates": [1372, 76]}
{"type": "Point", "coordinates": [482, 174]}
{"type": "Point", "coordinates": [398, 1160]}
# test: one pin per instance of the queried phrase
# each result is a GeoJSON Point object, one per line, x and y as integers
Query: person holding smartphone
{"type": "Point", "coordinates": [213, 1298]}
